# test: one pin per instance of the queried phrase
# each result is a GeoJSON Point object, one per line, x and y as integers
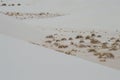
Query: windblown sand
{"type": "Point", "coordinates": [101, 47]}
{"type": "Point", "coordinates": [94, 45]}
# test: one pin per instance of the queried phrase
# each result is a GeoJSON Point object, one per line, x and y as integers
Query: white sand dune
{"type": "Point", "coordinates": [79, 15]}
{"type": "Point", "coordinates": [23, 61]}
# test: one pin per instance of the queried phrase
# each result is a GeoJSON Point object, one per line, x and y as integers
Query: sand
{"type": "Point", "coordinates": [91, 36]}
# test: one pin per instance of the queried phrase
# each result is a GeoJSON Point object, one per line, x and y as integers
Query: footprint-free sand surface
{"type": "Point", "coordinates": [89, 31]}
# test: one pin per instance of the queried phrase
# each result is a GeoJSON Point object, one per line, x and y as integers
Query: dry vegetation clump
{"type": "Point", "coordinates": [4, 4]}
{"type": "Point", "coordinates": [93, 35]}
{"type": "Point", "coordinates": [88, 37]}
{"type": "Point", "coordinates": [104, 56]}
{"type": "Point", "coordinates": [94, 41]}
{"type": "Point", "coordinates": [70, 38]}
{"type": "Point", "coordinates": [68, 52]}
{"type": "Point", "coordinates": [48, 41]}
{"type": "Point", "coordinates": [50, 36]}
{"type": "Point", "coordinates": [56, 44]}
{"type": "Point", "coordinates": [9, 4]}
{"type": "Point", "coordinates": [82, 46]}
{"type": "Point", "coordinates": [99, 36]}
{"type": "Point", "coordinates": [63, 39]}
{"type": "Point", "coordinates": [91, 43]}
{"type": "Point", "coordinates": [104, 45]}
{"type": "Point", "coordinates": [57, 40]}
{"type": "Point", "coordinates": [92, 50]}
{"type": "Point", "coordinates": [62, 46]}
{"type": "Point", "coordinates": [82, 41]}
{"type": "Point", "coordinates": [19, 4]}
{"type": "Point", "coordinates": [29, 15]}
{"type": "Point", "coordinates": [79, 36]}
{"type": "Point", "coordinates": [71, 43]}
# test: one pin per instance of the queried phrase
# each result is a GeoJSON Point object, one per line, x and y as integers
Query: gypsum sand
{"type": "Point", "coordinates": [23, 16]}
{"type": "Point", "coordinates": [99, 47]}
{"type": "Point", "coordinates": [5, 4]}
